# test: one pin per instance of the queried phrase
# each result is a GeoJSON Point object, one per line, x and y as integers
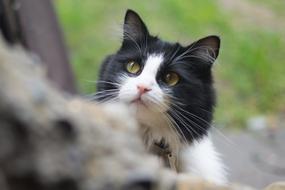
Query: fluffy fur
{"type": "Point", "coordinates": [178, 115]}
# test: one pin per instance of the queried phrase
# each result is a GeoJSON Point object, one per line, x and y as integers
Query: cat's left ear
{"type": "Point", "coordinates": [134, 27]}
{"type": "Point", "coordinates": [206, 48]}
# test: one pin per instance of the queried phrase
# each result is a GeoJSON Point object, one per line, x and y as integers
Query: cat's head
{"type": "Point", "coordinates": [157, 76]}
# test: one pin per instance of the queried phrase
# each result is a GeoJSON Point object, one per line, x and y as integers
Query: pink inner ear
{"type": "Point", "coordinates": [212, 41]}
{"type": "Point", "coordinates": [209, 44]}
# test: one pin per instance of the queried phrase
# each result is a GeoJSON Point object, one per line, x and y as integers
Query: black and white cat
{"type": "Point", "coordinates": [169, 87]}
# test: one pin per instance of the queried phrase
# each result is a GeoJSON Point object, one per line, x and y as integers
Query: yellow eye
{"type": "Point", "coordinates": [171, 78]}
{"type": "Point", "coordinates": [133, 67]}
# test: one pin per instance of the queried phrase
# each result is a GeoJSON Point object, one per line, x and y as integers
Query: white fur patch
{"type": "Point", "coordinates": [155, 124]}
{"type": "Point", "coordinates": [128, 91]}
{"type": "Point", "coordinates": [201, 159]}
{"type": "Point", "coordinates": [152, 64]}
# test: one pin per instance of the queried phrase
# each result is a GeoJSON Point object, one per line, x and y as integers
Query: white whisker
{"type": "Point", "coordinates": [201, 119]}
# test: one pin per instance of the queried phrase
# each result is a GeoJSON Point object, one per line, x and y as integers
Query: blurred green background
{"type": "Point", "coordinates": [250, 71]}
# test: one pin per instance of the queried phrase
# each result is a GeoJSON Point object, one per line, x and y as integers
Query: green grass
{"type": "Point", "coordinates": [250, 73]}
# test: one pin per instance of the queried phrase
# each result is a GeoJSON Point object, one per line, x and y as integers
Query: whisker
{"type": "Point", "coordinates": [212, 126]}
{"type": "Point", "coordinates": [108, 82]}
{"type": "Point", "coordinates": [189, 129]}
{"type": "Point", "coordinates": [180, 132]}
{"type": "Point", "coordinates": [102, 93]}
{"type": "Point", "coordinates": [191, 49]}
{"type": "Point", "coordinates": [174, 54]}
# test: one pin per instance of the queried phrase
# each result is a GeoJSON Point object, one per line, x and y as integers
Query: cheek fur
{"type": "Point", "coordinates": [156, 95]}
{"type": "Point", "coordinates": [127, 91]}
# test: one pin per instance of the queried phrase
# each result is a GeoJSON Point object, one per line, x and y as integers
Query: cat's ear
{"type": "Point", "coordinates": [134, 27]}
{"type": "Point", "coordinates": [206, 48]}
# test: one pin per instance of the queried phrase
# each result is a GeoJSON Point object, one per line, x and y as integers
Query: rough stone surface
{"type": "Point", "coordinates": [51, 141]}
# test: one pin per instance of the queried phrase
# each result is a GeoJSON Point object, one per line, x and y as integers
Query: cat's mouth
{"type": "Point", "coordinates": [138, 101]}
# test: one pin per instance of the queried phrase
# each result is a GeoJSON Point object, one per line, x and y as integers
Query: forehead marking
{"type": "Point", "coordinates": [153, 63]}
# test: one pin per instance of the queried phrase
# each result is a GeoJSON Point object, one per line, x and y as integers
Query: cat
{"type": "Point", "coordinates": [169, 87]}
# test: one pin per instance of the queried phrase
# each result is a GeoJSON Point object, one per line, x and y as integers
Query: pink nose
{"type": "Point", "coordinates": [143, 89]}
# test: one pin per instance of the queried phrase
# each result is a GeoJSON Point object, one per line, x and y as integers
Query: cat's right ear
{"type": "Point", "coordinates": [206, 48]}
{"type": "Point", "coordinates": [134, 27]}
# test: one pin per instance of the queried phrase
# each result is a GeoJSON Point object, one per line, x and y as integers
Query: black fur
{"type": "Point", "coordinates": [194, 91]}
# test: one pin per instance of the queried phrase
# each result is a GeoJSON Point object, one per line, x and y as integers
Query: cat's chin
{"type": "Point", "coordinates": [138, 103]}
{"type": "Point", "coordinates": [143, 105]}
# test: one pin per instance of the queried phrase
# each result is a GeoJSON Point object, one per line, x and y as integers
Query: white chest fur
{"type": "Point", "coordinates": [201, 159]}
{"type": "Point", "coordinates": [198, 158]}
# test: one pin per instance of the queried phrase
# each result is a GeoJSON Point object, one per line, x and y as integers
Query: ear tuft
{"type": "Point", "coordinates": [207, 48]}
{"type": "Point", "coordinates": [134, 27]}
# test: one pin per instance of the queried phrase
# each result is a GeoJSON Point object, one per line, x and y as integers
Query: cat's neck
{"type": "Point", "coordinates": [155, 126]}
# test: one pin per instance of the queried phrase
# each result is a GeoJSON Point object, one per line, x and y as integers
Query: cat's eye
{"type": "Point", "coordinates": [133, 67]}
{"type": "Point", "coordinates": [171, 78]}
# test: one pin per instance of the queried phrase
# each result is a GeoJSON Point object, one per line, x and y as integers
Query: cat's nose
{"type": "Point", "coordinates": [143, 89]}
